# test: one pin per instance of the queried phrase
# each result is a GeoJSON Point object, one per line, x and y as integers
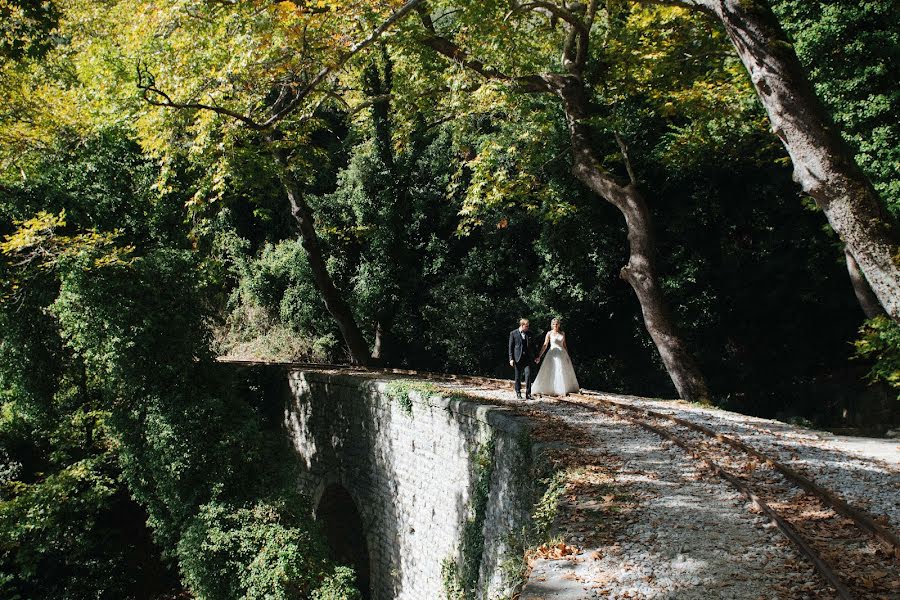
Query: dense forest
{"type": "Point", "coordinates": [704, 191]}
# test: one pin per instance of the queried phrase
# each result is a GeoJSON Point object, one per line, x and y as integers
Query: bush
{"type": "Point", "coordinates": [880, 341]}
{"type": "Point", "coordinates": [263, 551]}
{"type": "Point", "coordinates": [275, 311]}
{"type": "Point", "coordinates": [340, 585]}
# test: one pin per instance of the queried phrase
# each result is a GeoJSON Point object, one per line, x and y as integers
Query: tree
{"type": "Point", "coordinates": [387, 212]}
{"type": "Point", "coordinates": [851, 52]}
{"type": "Point", "coordinates": [69, 527]}
{"type": "Point", "coordinates": [25, 28]}
{"type": "Point", "coordinates": [112, 367]}
{"type": "Point", "coordinates": [824, 164]}
{"type": "Point", "coordinates": [282, 87]}
{"type": "Point", "coordinates": [570, 88]}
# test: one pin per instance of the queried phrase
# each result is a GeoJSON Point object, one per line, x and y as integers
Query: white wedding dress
{"type": "Point", "coordinates": [556, 376]}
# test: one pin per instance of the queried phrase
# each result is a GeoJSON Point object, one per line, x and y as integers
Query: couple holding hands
{"type": "Point", "coordinates": [556, 376]}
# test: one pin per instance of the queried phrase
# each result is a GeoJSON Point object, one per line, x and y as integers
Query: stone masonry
{"type": "Point", "coordinates": [448, 486]}
{"type": "Point", "coordinates": [410, 460]}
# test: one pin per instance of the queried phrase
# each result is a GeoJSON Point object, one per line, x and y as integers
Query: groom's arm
{"type": "Point", "coordinates": [511, 345]}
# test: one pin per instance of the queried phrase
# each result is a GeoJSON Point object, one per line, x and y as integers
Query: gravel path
{"type": "Point", "coordinates": [864, 471]}
{"type": "Point", "coordinates": [689, 536]}
{"type": "Point", "coordinates": [641, 520]}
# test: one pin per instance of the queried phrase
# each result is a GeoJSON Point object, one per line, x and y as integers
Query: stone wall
{"type": "Point", "coordinates": [443, 484]}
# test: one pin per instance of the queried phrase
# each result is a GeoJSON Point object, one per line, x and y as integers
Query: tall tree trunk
{"type": "Point", "coordinates": [824, 164]}
{"type": "Point", "coordinates": [376, 348]}
{"type": "Point", "coordinates": [381, 349]}
{"type": "Point", "coordinates": [378, 84]}
{"type": "Point", "coordinates": [334, 303]}
{"type": "Point", "coordinates": [392, 215]}
{"type": "Point", "coordinates": [867, 300]}
{"type": "Point", "coordinates": [640, 271]}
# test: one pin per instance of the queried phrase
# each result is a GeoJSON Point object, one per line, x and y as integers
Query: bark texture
{"type": "Point", "coordinates": [640, 271]}
{"type": "Point", "coordinates": [824, 165]}
{"type": "Point", "coordinates": [570, 89]}
{"type": "Point", "coordinates": [867, 300]}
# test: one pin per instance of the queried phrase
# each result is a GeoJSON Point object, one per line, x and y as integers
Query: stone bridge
{"type": "Point", "coordinates": [425, 494]}
{"type": "Point", "coordinates": [441, 490]}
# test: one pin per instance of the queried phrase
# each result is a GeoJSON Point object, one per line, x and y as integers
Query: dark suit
{"type": "Point", "coordinates": [522, 353]}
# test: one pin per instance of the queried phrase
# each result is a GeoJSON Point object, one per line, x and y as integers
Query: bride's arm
{"type": "Point", "coordinates": [544, 347]}
{"type": "Point", "coordinates": [564, 344]}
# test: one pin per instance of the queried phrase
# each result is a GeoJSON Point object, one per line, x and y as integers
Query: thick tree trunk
{"type": "Point", "coordinates": [823, 163]}
{"type": "Point", "coordinates": [867, 300]}
{"type": "Point", "coordinates": [640, 271]}
{"type": "Point", "coordinates": [334, 303]}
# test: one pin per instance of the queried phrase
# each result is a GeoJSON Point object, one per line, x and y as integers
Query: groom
{"type": "Point", "coordinates": [521, 354]}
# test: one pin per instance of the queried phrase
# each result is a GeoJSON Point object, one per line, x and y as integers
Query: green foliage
{"type": "Point", "coordinates": [196, 487]}
{"type": "Point", "coordinates": [69, 528]}
{"type": "Point", "coordinates": [275, 311]}
{"type": "Point", "coordinates": [338, 586]}
{"type": "Point", "coordinates": [524, 542]}
{"type": "Point", "coordinates": [852, 52]}
{"type": "Point", "coordinates": [123, 347]}
{"type": "Point", "coordinates": [26, 27]}
{"type": "Point", "coordinates": [261, 551]}
{"type": "Point", "coordinates": [399, 391]}
{"type": "Point", "coordinates": [138, 242]}
{"type": "Point", "coordinates": [460, 577]}
{"type": "Point", "coordinates": [35, 239]}
{"type": "Point", "coordinates": [56, 538]}
{"type": "Point", "coordinates": [880, 342]}
{"type": "Point", "coordinates": [125, 318]}
{"type": "Point", "coordinates": [451, 580]}
{"type": "Point", "coordinates": [545, 509]}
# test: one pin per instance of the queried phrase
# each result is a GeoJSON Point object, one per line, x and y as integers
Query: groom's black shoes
{"type": "Point", "coordinates": [529, 397]}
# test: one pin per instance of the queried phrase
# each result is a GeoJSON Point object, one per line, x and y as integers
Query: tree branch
{"type": "Point", "coordinates": [342, 60]}
{"type": "Point", "coordinates": [152, 94]}
{"type": "Point", "coordinates": [451, 50]}
{"type": "Point", "coordinates": [624, 149]}
{"type": "Point", "coordinates": [555, 10]}
{"type": "Point", "coordinates": [584, 37]}
{"type": "Point", "coordinates": [352, 110]}
{"type": "Point", "coordinates": [147, 84]}
{"type": "Point", "coordinates": [571, 50]}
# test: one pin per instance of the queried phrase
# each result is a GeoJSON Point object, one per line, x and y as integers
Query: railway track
{"type": "Point", "coordinates": [849, 548]}
{"type": "Point", "coordinates": [856, 554]}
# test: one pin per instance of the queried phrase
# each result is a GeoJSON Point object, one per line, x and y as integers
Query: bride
{"type": "Point", "coordinates": [556, 377]}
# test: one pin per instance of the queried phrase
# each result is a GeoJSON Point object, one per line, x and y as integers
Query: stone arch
{"type": "Point", "coordinates": [342, 524]}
